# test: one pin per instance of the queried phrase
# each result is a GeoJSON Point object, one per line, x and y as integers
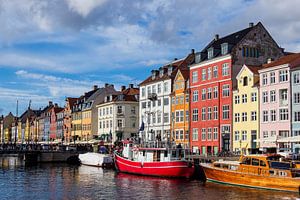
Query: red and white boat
{"type": "Point", "coordinates": [162, 162]}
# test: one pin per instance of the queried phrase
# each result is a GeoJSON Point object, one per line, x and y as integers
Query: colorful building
{"type": "Point", "coordinates": [275, 104]}
{"type": "Point", "coordinates": [245, 118]}
{"type": "Point", "coordinates": [212, 79]}
{"type": "Point", "coordinates": [67, 128]}
{"type": "Point", "coordinates": [53, 123]}
{"type": "Point", "coordinates": [155, 101]}
{"type": "Point", "coordinates": [180, 108]}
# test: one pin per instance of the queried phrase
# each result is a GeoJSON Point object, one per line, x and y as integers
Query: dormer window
{"type": "Point", "coordinates": [161, 72]}
{"type": "Point", "coordinates": [197, 57]}
{"type": "Point", "coordinates": [210, 53]}
{"type": "Point", "coordinates": [224, 48]}
{"type": "Point", "coordinates": [245, 81]}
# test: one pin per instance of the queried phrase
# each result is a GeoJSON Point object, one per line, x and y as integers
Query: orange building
{"type": "Point", "coordinates": [180, 108]}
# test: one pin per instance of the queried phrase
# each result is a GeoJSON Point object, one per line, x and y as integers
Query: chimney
{"type": "Point", "coordinates": [106, 85]}
{"type": "Point", "coordinates": [269, 60]}
{"type": "Point", "coordinates": [175, 59]}
{"type": "Point", "coordinates": [55, 105]}
{"type": "Point", "coordinates": [130, 86]}
{"type": "Point", "coordinates": [216, 37]}
{"type": "Point", "coordinates": [95, 87]}
{"type": "Point", "coordinates": [123, 87]}
{"type": "Point", "coordinates": [192, 51]}
{"type": "Point", "coordinates": [251, 24]}
{"type": "Point", "coordinates": [50, 103]}
{"type": "Point", "coordinates": [112, 85]}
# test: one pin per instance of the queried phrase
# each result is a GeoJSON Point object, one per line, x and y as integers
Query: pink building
{"type": "Point", "coordinates": [275, 106]}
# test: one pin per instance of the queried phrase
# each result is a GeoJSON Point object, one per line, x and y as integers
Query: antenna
{"type": "Point", "coordinates": [17, 109]}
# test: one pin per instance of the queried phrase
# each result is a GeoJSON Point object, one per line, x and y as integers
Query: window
{"type": "Point", "coordinates": [236, 135]}
{"type": "Point", "coordinates": [187, 115]}
{"type": "Point", "coordinates": [253, 97]}
{"type": "Point", "coordinates": [209, 73]}
{"type": "Point", "coordinates": [245, 81]}
{"type": "Point", "coordinates": [215, 112]}
{"type": "Point", "coordinates": [195, 77]}
{"type": "Point", "coordinates": [272, 78]}
{"type": "Point", "coordinates": [158, 118]}
{"type": "Point", "coordinates": [119, 123]}
{"type": "Point", "coordinates": [265, 97]}
{"type": "Point", "coordinates": [209, 93]}
{"type": "Point", "coordinates": [244, 135]}
{"type": "Point", "coordinates": [215, 92]}
{"type": "Point", "coordinates": [297, 97]}
{"type": "Point", "coordinates": [265, 116]}
{"type": "Point", "coordinates": [166, 117]}
{"type": "Point", "coordinates": [272, 96]}
{"type": "Point", "coordinates": [225, 92]}
{"type": "Point", "coordinates": [119, 110]}
{"type": "Point", "coordinates": [153, 119]}
{"type": "Point", "coordinates": [224, 48]}
{"type": "Point", "coordinates": [264, 79]}
{"type": "Point", "coordinates": [159, 102]}
{"type": "Point", "coordinates": [236, 117]}
{"type": "Point", "coordinates": [100, 124]}
{"type": "Point", "coordinates": [153, 88]}
{"type": "Point", "coordinates": [265, 134]}
{"type": "Point", "coordinates": [203, 74]}
{"type": "Point", "coordinates": [203, 114]}
{"type": "Point", "coordinates": [215, 133]}
{"type": "Point", "coordinates": [296, 78]}
{"type": "Point", "coordinates": [179, 116]}
{"type": "Point", "coordinates": [283, 114]}
{"type": "Point", "coordinates": [210, 53]}
{"type": "Point", "coordinates": [215, 73]}
{"type": "Point", "coordinates": [148, 90]}
{"type": "Point", "coordinates": [253, 116]}
{"type": "Point", "coordinates": [159, 88]}
{"type": "Point", "coordinates": [166, 101]}
{"type": "Point", "coordinates": [166, 88]}
{"type": "Point", "coordinates": [225, 112]}
{"type": "Point", "coordinates": [273, 115]}
{"type": "Point", "coordinates": [237, 99]}
{"type": "Point", "coordinates": [195, 115]}
{"type": "Point", "coordinates": [209, 134]}
{"type": "Point", "coordinates": [195, 134]}
{"type": "Point", "coordinates": [143, 92]}
{"type": "Point", "coordinates": [283, 97]}
{"type": "Point", "coordinates": [195, 96]}
{"type": "Point", "coordinates": [297, 116]}
{"type": "Point", "coordinates": [203, 94]}
{"type": "Point", "coordinates": [296, 133]}
{"type": "Point", "coordinates": [244, 98]}
{"type": "Point", "coordinates": [225, 69]}
{"type": "Point", "coordinates": [187, 98]}
{"type": "Point", "coordinates": [273, 133]}
{"type": "Point", "coordinates": [283, 75]}
{"type": "Point", "coordinates": [203, 135]}
{"type": "Point", "coordinates": [244, 116]}
{"type": "Point", "coordinates": [209, 113]}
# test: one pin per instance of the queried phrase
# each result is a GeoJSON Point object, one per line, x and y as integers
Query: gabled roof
{"type": "Point", "coordinates": [131, 91]}
{"type": "Point", "coordinates": [71, 101]}
{"type": "Point", "coordinates": [253, 68]}
{"type": "Point", "coordinates": [288, 59]}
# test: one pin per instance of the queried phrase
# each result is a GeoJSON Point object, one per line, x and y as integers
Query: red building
{"type": "Point", "coordinates": [53, 121]}
{"type": "Point", "coordinates": [212, 79]}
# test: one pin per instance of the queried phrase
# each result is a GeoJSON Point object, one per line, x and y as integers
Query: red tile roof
{"type": "Point", "coordinates": [254, 69]}
{"type": "Point", "coordinates": [288, 59]}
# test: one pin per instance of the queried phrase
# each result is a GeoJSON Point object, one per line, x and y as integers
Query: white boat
{"type": "Point", "coordinates": [96, 159]}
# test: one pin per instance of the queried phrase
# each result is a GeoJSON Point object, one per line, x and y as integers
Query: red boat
{"type": "Point", "coordinates": [162, 162]}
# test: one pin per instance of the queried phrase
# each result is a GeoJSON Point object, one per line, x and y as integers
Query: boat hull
{"type": "Point", "coordinates": [230, 177]}
{"type": "Point", "coordinates": [173, 169]}
{"type": "Point", "coordinates": [96, 159]}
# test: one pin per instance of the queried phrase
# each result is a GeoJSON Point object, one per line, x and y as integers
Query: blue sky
{"type": "Point", "coordinates": [53, 49]}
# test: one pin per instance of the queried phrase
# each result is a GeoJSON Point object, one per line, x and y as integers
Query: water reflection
{"type": "Point", "coordinates": [62, 181]}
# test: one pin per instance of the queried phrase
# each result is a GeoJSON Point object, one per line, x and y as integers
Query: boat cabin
{"type": "Point", "coordinates": [153, 154]}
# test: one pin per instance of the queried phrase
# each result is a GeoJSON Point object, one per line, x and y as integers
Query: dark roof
{"type": "Point", "coordinates": [71, 101]}
{"type": "Point", "coordinates": [254, 68]}
{"type": "Point", "coordinates": [288, 59]}
{"type": "Point", "coordinates": [28, 114]}
{"type": "Point", "coordinates": [185, 73]}
{"type": "Point", "coordinates": [131, 91]}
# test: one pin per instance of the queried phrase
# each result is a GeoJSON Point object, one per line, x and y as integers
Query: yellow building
{"type": "Point", "coordinates": [180, 108]}
{"type": "Point", "coordinates": [76, 125]}
{"type": "Point", "coordinates": [246, 110]}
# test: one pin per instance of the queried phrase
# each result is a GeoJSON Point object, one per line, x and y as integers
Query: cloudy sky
{"type": "Point", "coordinates": [57, 48]}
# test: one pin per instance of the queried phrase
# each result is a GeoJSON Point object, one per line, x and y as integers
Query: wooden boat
{"type": "Point", "coordinates": [96, 159]}
{"type": "Point", "coordinates": [257, 171]}
{"type": "Point", "coordinates": [162, 162]}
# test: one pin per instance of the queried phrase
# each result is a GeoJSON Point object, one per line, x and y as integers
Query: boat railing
{"type": "Point", "coordinates": [157, 144]}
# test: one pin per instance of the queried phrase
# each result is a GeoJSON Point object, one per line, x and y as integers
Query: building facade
{"type": "Point", "coordinates": [213, 79]}
{"type": "Point", "coordinates": [67, 128]}
{"type": "Point", "coordinates": [180, 108]}
{"type": "Point", "coordinates": [246, 111]}
{"type": "Point", "coordinates": [295, 106]}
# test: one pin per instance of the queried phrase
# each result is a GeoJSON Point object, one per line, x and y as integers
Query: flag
{"type": "Point", "coordinates": [142, 126]}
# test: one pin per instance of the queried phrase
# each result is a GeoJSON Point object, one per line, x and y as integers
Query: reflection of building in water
{"type": "Point", "coordinates": [10, 162]}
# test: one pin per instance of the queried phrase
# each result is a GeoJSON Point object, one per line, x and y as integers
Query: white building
{"type": "Point", "coordinates": [118, 115]}
{"type": "Point", "coordinates": [155, 101]}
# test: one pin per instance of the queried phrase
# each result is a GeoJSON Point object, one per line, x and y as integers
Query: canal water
{"type": "Point", "coordinates": [63, 181]}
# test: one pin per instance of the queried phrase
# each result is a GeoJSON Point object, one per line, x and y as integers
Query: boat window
{"type": "Point", "coordinates": [255, 162]}
{"type": "Point", "coordinates": [174, 153]}
{"type": "Point", "coordinates": [246, 161]}
{"type": "Point", "coordinates": [281, 173]}
{"type": "Point", "coordinates": [272, 172]}
{"type": "Point", "coordinates": [144, 153]}
{"type": "Point", "coordinates": [217, 165]}
{"type": "Point", "coordinates": [262, 163]}
{"type": "Point", "coordinates": [166, 153]}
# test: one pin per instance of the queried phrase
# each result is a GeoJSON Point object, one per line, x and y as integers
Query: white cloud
{"type": "Point", "coordinates": [84, 7]}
